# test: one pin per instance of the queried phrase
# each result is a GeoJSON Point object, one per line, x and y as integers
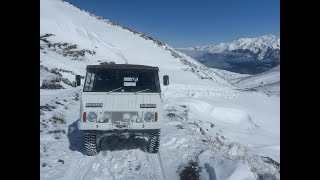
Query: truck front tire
{"type": "Point", "coordinates": [91, 144]}
{"type": "Point", "coordinates": [154, 142]}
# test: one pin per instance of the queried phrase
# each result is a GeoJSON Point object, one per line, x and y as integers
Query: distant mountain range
{"type": "Point", "coordinates": [245, 55]}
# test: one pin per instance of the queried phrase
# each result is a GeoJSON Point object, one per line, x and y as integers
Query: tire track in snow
{"type": "Point", "coordinates": [156, 170]}
{"type": "Point", "coordinates": [79, 168]}
{"type": "Point", "coordinates": [161, 165]}
{"type": "Point", "coordinates": [117, 165]}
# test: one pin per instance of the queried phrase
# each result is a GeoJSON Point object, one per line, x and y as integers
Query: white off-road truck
{"type": "Point", "coordinates": [120, 99]}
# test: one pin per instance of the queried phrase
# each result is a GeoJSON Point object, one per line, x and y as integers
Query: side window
{"type": "Point", "coordinates": [89, 82]}
{"type": "Point", "coordinates": [156, 80]}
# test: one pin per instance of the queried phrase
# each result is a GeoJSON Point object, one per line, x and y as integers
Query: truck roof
{"type": "Point", "coordinates": [121, 66]}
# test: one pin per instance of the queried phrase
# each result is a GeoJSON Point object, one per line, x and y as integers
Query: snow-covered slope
{"type": "Point", "coordinates": [268, 82]}
{"type": "Point", "coordinates": [245, 55]}
{"type": "Point", "coordinates": [109, 42]}
{"type": "Point", "coordinates": [209, 124]}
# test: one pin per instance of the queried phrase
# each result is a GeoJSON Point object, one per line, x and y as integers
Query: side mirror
{"type": "Point", "coordinates": [78, 80]}
{"type": "Point", "coordinates": [165, 80]}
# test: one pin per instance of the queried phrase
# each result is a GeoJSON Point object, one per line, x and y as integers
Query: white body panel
{"type": "Point", "coordinates": [119, 102]}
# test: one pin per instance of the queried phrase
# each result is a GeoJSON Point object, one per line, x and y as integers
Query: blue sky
{"type": "Point", "coordinates": [185, 23]}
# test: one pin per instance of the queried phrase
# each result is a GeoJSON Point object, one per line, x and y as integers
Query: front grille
{"type": "Point", "coordinates": [117, 117]}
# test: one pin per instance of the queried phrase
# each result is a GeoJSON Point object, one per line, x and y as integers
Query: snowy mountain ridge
{"type": "Point", "coordinates": [245, 55]}
{"type": "Point", "coordinates": [257, 45]}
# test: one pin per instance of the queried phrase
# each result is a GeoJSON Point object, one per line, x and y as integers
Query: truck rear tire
{"type": "Point", "coordinates": [91, 144]}
{"type": "Point", "coordinates": [154, 142]}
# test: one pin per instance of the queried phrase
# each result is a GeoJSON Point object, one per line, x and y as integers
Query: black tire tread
{"type": "Point", "coordinates": [154, 142]}
{"type": "Point", "coordinates": [90, 144]}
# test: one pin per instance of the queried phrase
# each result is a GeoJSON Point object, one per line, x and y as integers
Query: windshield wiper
{"type": "Point", "coordinates": [141, 91]}
{"type": "Point", "coordinates": [114, 90]}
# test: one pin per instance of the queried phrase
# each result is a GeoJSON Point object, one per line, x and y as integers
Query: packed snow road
{"type": "Point", "coordinates": [128, 164]}
{"type": "Point", "coordinates": [119, 159]}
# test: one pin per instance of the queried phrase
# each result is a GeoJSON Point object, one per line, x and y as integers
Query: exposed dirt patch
{"type": "Point", "coordinates": [190, 172]}
{"type": "Point", "coordinates": [47, 107]}
{"type": "Point", "coordinates": [58, 119]}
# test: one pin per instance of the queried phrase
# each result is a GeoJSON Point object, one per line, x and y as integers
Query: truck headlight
{"type": "Point", "coordinates": [126, 116]}
{"type": "Point", "coordinates": [148, 116]}
{"type": "Point", "coordinates": [134, 118]}
{"type": "Point", "coordinates": [92, 117]}
{"type": "Point", "coordinates": [105, 118]}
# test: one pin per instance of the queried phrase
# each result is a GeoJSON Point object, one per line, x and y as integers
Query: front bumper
{"type": "Point", "coordinates": [111, 127]}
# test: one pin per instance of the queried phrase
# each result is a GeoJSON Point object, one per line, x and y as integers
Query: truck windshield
{"type": "Point", "coordinates": [121, 80]}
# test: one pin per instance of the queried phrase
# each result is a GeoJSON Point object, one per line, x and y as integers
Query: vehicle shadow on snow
{"type": "Point", "coordinates": [76, 138]}
{"type": "Point", "coordinates": [116, 143]}
{"type": "Point", "coordinates": [109, 143]}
